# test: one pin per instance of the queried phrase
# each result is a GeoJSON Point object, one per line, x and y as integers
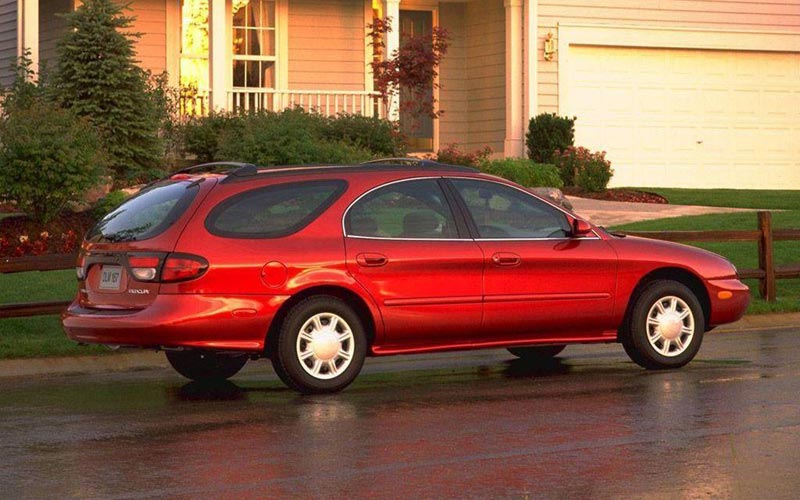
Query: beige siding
{"type": "Point", "coordinates": [326, 44]}
{"type": "Point", "coordinates": [51, 27]}
{"type": "Point", "coordinates": [8, 39]}
{"type": "Point", "coordinates": [151, 22]}
{"type": "Point", "coordinates": [701, 14]}
{"type": "Point", "coordinates": [485, 67]}
{"type": "Point", "coordinates": [454, 122]}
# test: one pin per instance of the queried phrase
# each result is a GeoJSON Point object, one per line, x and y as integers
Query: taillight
{"type": "Point", "coordinates": [144, 267]}
{"type": "Point", "coordinates": [182, 267]}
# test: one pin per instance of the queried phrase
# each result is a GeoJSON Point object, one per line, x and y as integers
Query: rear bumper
{"type": "Point", "coordinates": [237, 323]}
{"type": "Point", "coordinates": [732, 308]}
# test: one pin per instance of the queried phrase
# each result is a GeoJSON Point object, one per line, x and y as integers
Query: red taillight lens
{"type": "Point", "coordinates": [144, 267]}
{"type": "Point", "coordinates": [182, 267]}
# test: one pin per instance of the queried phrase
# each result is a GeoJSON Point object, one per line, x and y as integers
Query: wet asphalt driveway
{"type": "Point", "coordinates": [473, 424]}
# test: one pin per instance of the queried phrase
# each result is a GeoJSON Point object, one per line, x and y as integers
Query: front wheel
{"type": "Point", "coordinates": [666, 326]}
{"type": "Point", "coordinates": [206, 366]}
{"type": "Point", "coordinates": [321, 346]}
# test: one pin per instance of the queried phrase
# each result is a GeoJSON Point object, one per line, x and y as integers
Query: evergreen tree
{"type": "Point", "coordinates": [97, 77]}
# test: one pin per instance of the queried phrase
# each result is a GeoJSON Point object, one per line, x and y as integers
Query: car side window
{"type": "Point", "coordinates": [503, 212]}
{"type": "Point", "coordinates": [408, 209]}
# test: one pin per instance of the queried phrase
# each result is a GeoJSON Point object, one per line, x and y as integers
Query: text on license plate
{"type": "Point", "coordinates": [110, 277]}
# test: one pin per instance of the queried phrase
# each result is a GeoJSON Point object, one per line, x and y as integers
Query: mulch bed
{"type": "Point", "coordinates": [626, 195]}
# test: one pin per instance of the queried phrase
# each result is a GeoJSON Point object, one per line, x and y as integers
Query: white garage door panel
{"type": "Point", "coordinates": [688, 118]}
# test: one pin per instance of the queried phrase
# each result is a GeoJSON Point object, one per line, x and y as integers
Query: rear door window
{"type": "Point", "coordinates": [414, 209]}
{"type": "Point", "coordinates": [146, 215]}
{"type": "Point", "coordinates": [273, 211]}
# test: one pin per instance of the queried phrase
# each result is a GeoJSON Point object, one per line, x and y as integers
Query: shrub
{"type": "Point", "coordinates": [98, 78]}
{"type": "Point", "coordinates": [287, 138]}
{"type": "Point", "coordinates": [379, 137]}
{"type": "Point", "coordinates": [583, 168]}
{"type": "Point", "coordinates": [48, 158]}
{"type": "Point", "coordinates": [451, 155]}
{"type": "Point", "coordinates": [524, 172]}
{"type": "Point", "coordinates": [201, 135]}
{"type": "Point", "coordinates": [105, 205]}
{"type": "Point", "coordinates": [548, 133]}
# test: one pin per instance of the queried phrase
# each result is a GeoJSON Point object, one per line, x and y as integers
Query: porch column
{"type": "Point", "coordinates": [218, 49]}
{"type": "Point", "coordinates": [28, 24]}
{"type": "Point", "coordinates": [392, 10]}
{"type": "Point", "coordinates": [513, 145]}
{"type": "Point", "coordinates": [531, 71]}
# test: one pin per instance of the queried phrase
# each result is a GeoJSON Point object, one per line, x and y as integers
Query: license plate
{"type": "Point", "coordinates": [110, 277]}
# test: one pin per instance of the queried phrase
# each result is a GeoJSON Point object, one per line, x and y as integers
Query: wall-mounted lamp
{"type": "Point", "coordinates": [549, 47]}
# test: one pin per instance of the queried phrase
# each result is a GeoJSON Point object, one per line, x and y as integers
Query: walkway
{"type": "Point", "coordinates": [613, 213]}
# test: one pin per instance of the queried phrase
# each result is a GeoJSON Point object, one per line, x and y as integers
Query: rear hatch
{"type": "Point", "coordinates": [129, 253]}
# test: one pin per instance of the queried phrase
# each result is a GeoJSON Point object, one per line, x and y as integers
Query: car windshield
{"type": "Point", "coordinates": [147, 214]}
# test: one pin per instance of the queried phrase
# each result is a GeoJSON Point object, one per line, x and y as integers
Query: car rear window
{"type": "Point", "coordinates": [147, 214]}
{"type": "Point", "coordinates": [273, 211]}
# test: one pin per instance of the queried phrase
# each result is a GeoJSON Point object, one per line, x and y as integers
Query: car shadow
{"type": "Point", "coordinates": [527, 368]}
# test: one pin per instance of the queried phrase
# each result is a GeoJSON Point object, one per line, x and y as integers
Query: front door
{"type": "Point", "coordinates": [538, 280]}
{"type": "Point", "coordinates": [418, 128]}
{"type": "Point", "coordinates": [404, 247]}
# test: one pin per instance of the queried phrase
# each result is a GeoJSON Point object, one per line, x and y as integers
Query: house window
{"type": "Point", "coordinates": [194, 44]}
{"type": "Point", "coordinates": [254, 56]}
{"type": "Point", "coordinates": [194, 76]}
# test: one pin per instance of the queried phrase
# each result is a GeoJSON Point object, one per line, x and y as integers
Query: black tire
{"type": "Point", "coordinates": [664, 352]}
{"type": "Point", "coordinates": [206, 366]}
{"type": "Point", "coordinates": [537, 353]}
{"type": "Point", "coordinates": [298, 373]}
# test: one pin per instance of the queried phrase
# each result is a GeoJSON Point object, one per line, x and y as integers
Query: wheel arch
{"type": "Point", "coordinates": [678, 274]}
{"type": "Point", "coordinates": [348, 296]}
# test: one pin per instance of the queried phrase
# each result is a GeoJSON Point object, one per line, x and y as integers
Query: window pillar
{"type": "Point", "coordinates": [392, 11]}
{"type": "Point", "coordinates": [28, 23]}
{"type": "Point", "coordinates": [219, 46]}
{"type": "Point", "coordinates": [513, 145]}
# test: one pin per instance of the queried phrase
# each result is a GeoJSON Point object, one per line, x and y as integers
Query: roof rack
{"type": "Point", "coordinates": [236, 168]}
{"type": "Point", "coordinates": [403, 160]}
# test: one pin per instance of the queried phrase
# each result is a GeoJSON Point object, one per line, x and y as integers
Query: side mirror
{"type": "Point", "coordinates": [580, 228]}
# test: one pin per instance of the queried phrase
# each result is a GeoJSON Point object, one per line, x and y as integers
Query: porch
{"type": "Point", "coordinates": [248, 55]}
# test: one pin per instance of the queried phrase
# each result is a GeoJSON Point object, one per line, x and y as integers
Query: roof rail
{"type": "Point", "coordinates": [400, 160]}
{"type": "Point", "coordinates": [236, 168]}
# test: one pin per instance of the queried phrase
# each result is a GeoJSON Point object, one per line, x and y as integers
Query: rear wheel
{"type": "Point", "coordinates": [666, 326]}
{"type": "Point", "coordinates": [321, 346]}
{"type": "Point", "coordinates": [206, 366]}
{"type": "Point", "coordinates": [537, 353]}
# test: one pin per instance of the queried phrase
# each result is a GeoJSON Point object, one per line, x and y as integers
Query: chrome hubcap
{"type": "Point", "coordinates": [670, 326]}
{"type": "Point", "coordinates": [325, 346]}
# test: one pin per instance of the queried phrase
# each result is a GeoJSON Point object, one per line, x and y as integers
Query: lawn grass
{"type": "Point", "coordinates": [743, 254]}
{"type": "Point", "coordinates": [37, 336]}
{"type": "Point", "coordinates": [780, 199]}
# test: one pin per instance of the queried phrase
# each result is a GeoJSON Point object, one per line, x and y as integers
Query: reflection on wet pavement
{"type": "Point", "coordinates": [589, 424]}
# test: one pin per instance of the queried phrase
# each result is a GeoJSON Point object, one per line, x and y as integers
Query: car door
{"type": "Point", "coordinates": [407, 248]}
{"type": "Point", "coordinates": [538, 279]}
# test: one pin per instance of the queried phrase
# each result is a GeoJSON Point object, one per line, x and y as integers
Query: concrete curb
{"type": "Point", "coordinates": [150, 360]}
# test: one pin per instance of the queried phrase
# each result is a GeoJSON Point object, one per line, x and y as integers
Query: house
{"type": "Point", "coordinates": [683, 93]}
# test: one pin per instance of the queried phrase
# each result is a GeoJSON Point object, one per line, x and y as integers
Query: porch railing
{"type": "Point", "coordinates": [325, 102]}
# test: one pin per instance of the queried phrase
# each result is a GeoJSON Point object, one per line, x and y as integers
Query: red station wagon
{"type": "Point", "coordinates": [318, 267]}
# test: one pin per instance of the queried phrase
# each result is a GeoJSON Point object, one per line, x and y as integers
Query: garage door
{"type": "Point", "coordinates": [688, 118]}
